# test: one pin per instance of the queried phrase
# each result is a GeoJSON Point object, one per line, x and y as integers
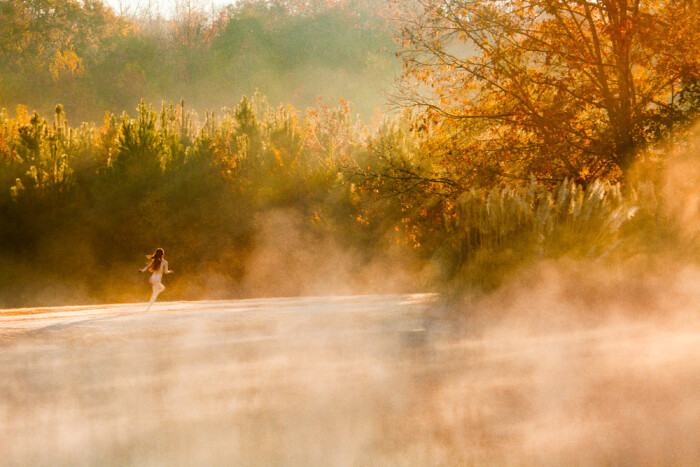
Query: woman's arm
{"type": "Point", "coordinates": [146, 268]}
{"type": "Point", "coordinates": [165, 267]}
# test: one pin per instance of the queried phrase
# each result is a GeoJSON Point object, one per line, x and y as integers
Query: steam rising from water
{"type": "Point", "coordinates": [352, 380]}
{"type": "Point", "coordinates": [290, 260]}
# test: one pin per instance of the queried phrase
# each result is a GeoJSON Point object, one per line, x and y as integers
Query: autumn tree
{"type": "Point", "coordinates": [555, 88]}
{"type": "Point", "coordinates": [54, 37]}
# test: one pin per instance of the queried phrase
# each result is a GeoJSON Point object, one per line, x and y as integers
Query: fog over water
{"type": "Point", "coordinates": [382, 379]}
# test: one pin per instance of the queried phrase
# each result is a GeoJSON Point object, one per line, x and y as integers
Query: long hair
{"type": "Point", "coordinates": [156, 258]}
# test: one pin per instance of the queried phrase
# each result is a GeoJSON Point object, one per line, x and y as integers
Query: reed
{"type": "Point", "coordinates": [494, 231]}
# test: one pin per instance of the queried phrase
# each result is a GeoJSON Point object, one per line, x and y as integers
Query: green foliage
{"type": "Point", "coordinates": [79, 205]}
{"type": "Point", "coordinates": [51, 47]}
{"type": "Point", "coordinates": [472, 238]}
{"type": "Point", "coordinates": [140, 146]}
{"type": "Point", "coordinates": [494, 232]}
{"type": "Point", "coordinates": [109, 194]}
{"type": "Point", "coordinates": [82, 54]}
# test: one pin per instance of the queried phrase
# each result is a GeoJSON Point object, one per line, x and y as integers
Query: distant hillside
{"type": "Point", "coordinates": [91, 60]}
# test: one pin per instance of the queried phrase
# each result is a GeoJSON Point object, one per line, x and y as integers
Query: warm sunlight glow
{"type": "Point", "coordinates": [349, 232]}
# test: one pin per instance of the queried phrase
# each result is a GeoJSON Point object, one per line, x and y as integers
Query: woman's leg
{"type": "Point", "coordinates": [157, 288]}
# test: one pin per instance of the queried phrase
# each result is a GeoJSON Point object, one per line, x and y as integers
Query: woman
{"type": "Point", "coordinates": [158, 266]}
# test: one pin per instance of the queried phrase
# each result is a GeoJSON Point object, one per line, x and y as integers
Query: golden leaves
{"type": "Point", "coordinates": [547, 86]}
{"type": "Point", "coordinates": [66, 63]}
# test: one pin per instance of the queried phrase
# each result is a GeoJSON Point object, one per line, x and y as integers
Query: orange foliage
{"type": "Point", "coordinates": [66, 63]}
{"type": "Point", "coordinates": [547, 87]}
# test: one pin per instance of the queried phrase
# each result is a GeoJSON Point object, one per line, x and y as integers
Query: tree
{"type": "Point", "coordinates": [553, 88]}
{"type": "Point", "coordinates": [50, 48]}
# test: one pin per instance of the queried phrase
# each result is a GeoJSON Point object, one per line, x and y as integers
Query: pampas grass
{"type": "Point", "coordinates": [497, 230]}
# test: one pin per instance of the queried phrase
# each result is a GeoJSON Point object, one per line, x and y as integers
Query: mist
{"type": "Point", "coordinates": [363, 379]}
{"type": "Point", "coordinates": [343, 292]}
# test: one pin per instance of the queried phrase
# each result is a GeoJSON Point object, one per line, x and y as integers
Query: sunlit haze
{"type": "Point", "coordinates": [350, 232]}
{"type": "Point", "coordinates": [166, 8]}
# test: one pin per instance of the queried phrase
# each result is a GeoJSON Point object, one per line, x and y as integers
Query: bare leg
{"type": "Point", "coordinates": [157, 289]}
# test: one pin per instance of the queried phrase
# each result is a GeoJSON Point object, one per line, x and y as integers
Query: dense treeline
{"type": "Point", "coordinates": [257, 200]}
{"type": "Point", "coordinates": [81, 54]}
{"type": "Point", "coordinates": [478, 175]}
{"type": "Point", "coordinates": [80, 206]}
